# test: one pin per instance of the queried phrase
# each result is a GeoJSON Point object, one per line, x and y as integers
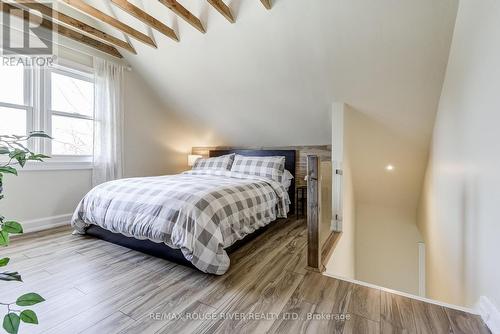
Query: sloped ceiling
{"type": "Point", "coordinates": [270, 78]}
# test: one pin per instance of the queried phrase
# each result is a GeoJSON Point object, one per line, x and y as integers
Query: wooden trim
{"type": "Point", "coordinates": [76, 24]}
{"type": "Point", "coordinates": [313, 246]}
{"type": "Point", "coordinates": [103, 17]}
{"type": "Point", "coordinates": [267, 3]}
{"type": "Point", "coordinates": [63, 31]}
{"type": "Point", "coordinates": [185, 14]}
{"type": "Point", "coordinates": [146, 18]}
{"type": "Point", "coordinates": [329, 246]}
{"type": "Point", "coordinates": [223, 9]}
{"type": "Point", "coordinates": [316, 270]}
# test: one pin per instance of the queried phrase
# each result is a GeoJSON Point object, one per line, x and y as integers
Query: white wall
{"type": "Point", "coordinates": [460, 211]}
{"type": "Point", "coordinates": [156, 142]}
{"type": "Point", "coordinates": [43, 194]}
{"type": "Point", "coordinates": [386, 247]}
{"type": "Point", "coordinates": [342, 262]}
{"type": "Point", "coordinates": [379, 239]}
{"type": "Point", "coordinates": [386, 235]}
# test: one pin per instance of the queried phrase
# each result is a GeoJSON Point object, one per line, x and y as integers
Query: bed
{"type": "Point", "coordinates": [194, 218]}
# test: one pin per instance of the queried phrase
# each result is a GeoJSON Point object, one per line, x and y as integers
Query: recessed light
{"type": "Point", "coordinates": [389, 168]}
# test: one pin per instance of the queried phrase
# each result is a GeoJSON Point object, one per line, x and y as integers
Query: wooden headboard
{"type": "Point", "coordinates": [290, 163]}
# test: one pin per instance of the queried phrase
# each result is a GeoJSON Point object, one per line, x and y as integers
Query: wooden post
{"type": "Point", "coordinates": [313, 246]}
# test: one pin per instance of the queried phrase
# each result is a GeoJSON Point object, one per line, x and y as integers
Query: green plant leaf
{"type": "Point", "coordinates": [16, 153]}
{"type": "Point", "coordinates": [8, 170]}
{"type": "Point", "coordinates": [29, 317]}
{"type": "Point", "coordinates": [4, 261]}
{"type": "Point", "coordinates": [9, 276]}
{"type": "Point", "coordinates": [21, 161]}
{"type": "Point", "coordinates": [29, 299]}
{"type": "Point", "coordinates": [12, 227]}
{"type": "Point", "coordinates": [11, 323]}
{"type": "Point", "coordinates": [19, 155]}
{"type": "Point", "coordinates": [39, 134]}
{"type": "Point", "coordinates": [38, 157]}
{"type": "Point", "coordinates": [4, 238]}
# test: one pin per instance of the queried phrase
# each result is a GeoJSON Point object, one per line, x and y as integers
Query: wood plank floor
{"type": "Point", "coordinates": [92, 286]}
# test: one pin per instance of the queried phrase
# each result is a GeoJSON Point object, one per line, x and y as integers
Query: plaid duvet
{"type": "Point", "coordinates": [200, 212]}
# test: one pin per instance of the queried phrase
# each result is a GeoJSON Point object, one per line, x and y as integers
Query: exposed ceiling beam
{"type": "Point", "coordinates": [103, 17]}
{"type": "Point", "coordinates": [146, 18]}
{"type": "Point", "coordinates": [267, 3]}
{"type": "Point", "coordinates": [181, 11]}
{"type": "Point", "coordinates": [61, 30]}
{"type": "Point", "coordinates": [52, 14]}
{"type": "Point", "coordinates": [223, 9]}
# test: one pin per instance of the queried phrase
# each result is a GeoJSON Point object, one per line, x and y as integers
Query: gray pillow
{"type": "Point", "coordinates": [268, 167]}
{"type": "Point", "coordinates": [223, 162]}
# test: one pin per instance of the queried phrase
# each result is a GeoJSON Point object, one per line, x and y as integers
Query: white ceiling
{"type": "Point", "coordinates": [270, 78]}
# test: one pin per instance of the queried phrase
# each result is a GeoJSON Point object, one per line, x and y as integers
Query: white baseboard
{"type": "Point", "coordinates": [489, 313]}
{"type": "Point", "coordinates": [36, 225]}
{"type": "Point", "coordinates": [404, 294]}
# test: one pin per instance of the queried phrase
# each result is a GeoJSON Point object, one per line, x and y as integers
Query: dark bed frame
{"type": "Point", "coordinates": [290, 163]}
{"type": "Point", "coordinates": [175, 255]}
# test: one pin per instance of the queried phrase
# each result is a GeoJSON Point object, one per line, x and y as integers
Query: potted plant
{"type": "Point", "coordinates": [15, 150]}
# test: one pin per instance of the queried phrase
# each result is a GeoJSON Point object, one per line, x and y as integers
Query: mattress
{"type": "Point", "coordinates": [199, 212]}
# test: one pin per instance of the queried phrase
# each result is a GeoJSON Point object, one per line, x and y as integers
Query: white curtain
{"type": "Point", "coordinates": [108, 129]}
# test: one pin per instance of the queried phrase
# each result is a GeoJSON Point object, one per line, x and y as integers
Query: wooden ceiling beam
{"type": "Point", "coordinates": [95, 13]}
{"type": "Point", "coordinates": [146, 18]}
{"type": "Point", "coordinates": [223, 9]}
{"type": "Point", "coordinates": [61, 30]}
{"type": "Point", "coordinates": [52, 14]}
{"type": "Point", "coordinates": [267, 3]}
{"type": "Point", "coordinates": [185, 14]}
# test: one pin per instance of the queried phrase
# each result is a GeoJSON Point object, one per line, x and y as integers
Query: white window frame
{"type": "Point", "coordinates": [27, 100]}
{"type": "Point", "coordinates": [37, 99]}
{"type": "Point", "coordinates": [49, 112]}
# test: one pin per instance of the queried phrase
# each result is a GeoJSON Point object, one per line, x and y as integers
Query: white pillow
{"type": "Point", "coordinates": [287, 179]}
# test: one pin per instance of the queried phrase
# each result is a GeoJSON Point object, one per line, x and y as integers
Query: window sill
{"type": "Point", "coordinates": [48, 165]}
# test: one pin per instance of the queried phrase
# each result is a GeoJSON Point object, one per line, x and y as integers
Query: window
{"type": "Point", "coordinates": [71, 109]}
{"type": "Point", "coordinates": [14, 106]}
{"type": "Point", "coordinates": [58, 100]}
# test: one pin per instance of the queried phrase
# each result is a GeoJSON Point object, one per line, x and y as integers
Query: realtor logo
{"type": "Point", "coordinates": [25, 31]}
